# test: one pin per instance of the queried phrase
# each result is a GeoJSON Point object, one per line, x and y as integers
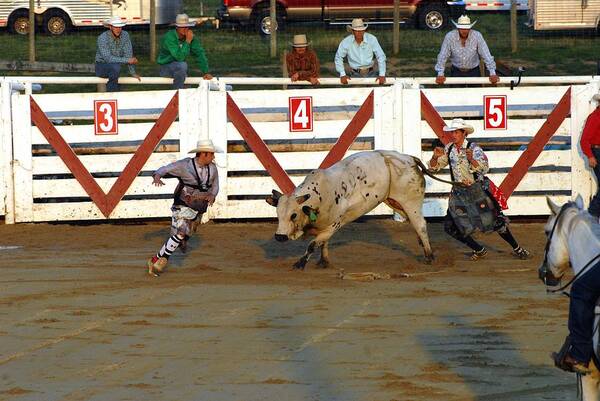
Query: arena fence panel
{"type": "Point", "coordinates": [45, 189]}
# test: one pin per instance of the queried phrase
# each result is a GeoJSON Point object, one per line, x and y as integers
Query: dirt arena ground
{"type": "Point", "coordinates": [80, 319]}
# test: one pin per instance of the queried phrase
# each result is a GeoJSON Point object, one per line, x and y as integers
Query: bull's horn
{"type": "Point", "coordinates": [273, 200]}
{"type": "Point", "coordinates": [302, 199]}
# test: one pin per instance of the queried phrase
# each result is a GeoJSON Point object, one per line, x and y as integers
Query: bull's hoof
{"type": "Point", "coordinates": [300, 265]}
{"type": "Point", "coordinates": [429, 259]}
{"type": "Point", "coordinates": [323, 264]}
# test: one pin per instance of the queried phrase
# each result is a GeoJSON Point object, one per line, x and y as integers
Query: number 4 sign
{"type": "Point", "coordinates": [300, 113]}
{"type": "Point", "coordinates": [105, 117]}
{"type": "Point", "coordinates": [494, 112]}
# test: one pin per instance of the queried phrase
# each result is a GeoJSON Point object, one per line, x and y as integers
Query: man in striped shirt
{"type": "Point", "coordinates": [114, 49]}
{"type": "Point", "coordinates": [463, 46]}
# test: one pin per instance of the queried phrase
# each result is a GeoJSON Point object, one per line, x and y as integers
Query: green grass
{"type": "Point", "coordinates": [244, 53]}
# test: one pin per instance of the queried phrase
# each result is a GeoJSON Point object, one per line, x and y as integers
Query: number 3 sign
{"type": "Point", "coordinates": [300, 114]}
{"type": "Point", "coordinates": [494, 112]}
{"type": "Point", "coordinates": [105, 117]}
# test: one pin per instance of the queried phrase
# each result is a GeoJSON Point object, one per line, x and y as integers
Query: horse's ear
{"type": "Point", "coordinates": [579, 201]}
{"type": "Point", "coordinates": [554, 208]}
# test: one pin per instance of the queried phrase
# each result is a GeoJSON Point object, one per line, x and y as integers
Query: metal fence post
{"type": "Point", "coordinates": [273, 28]}
{"type": "Point", "coordinates": [396, 31]}
{"type": "Point", "coordinates": [513, 26]}
{"type": "Point", "coordinates": [152, 30]}
{"type": "Point", "coordinates": [32, 30]}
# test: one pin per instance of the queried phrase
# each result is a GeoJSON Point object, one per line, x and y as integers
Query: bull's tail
{"type": "Point", "coordinates": [425, 170]}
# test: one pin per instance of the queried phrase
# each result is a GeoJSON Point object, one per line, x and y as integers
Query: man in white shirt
{"type": "Point", "coordinates": [359, 48]}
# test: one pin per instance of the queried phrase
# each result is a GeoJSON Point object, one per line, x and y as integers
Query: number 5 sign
{"type": "Point", "coordinates": [105, 117]}
{"type": "Point", "coordinates": [494, 112]}
{"type": "Point", "coordinates": [300, 114]}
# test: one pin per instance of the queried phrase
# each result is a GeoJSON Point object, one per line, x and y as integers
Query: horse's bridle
{"type": "Point", "coordinates": [546, 274]}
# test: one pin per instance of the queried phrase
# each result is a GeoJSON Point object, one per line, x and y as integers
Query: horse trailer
{"type": "Point", "coordinates": [498, 5]}
{"type": "Point", "coordinates": [57, 17]}
{"type": "Point", "coordinates": [564, 14]}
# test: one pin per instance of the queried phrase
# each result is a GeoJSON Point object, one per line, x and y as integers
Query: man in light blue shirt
{"type": "Point", "coordinates": [359, 48]}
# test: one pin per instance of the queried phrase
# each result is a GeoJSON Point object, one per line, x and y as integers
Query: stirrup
{"type": "Point", "coordinates": [476, 255]}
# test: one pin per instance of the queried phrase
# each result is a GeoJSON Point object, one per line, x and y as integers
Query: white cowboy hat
{"type": "Point", "coordinates": [459, 123]}
{"type": "Point", "coordinates": [183, 21]}
{"type": "Point", "coordinates": [464, 22]}
{"type": "Point", "coordinates": [300, 41]}
{"type": "Point", "coordinates": [115, 21]}
{"type": "Point", "coordinates": [205, 145]}
{"type": "Point", "coordinates": [357, 25]}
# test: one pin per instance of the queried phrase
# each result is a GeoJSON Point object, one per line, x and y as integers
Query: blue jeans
{"type": "Point", "coordinates": [176, 70]}
{"type": "Point", "coordinates": [110, 71]}
{"type": "Point", "coordinates": [594, 208]}
{"type": "Point", "coordinates": [584, 294]}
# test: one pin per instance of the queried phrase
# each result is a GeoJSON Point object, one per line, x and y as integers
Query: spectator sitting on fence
{"type": "Point", "coordinates": [359, 48]}
{"type": "Point", "coordinates": [176, 45]}
{"type": "Point", "coordinates": [463, 46]}
{"type": "Point", "coordinates": [302, 62]}
{"type": "Point", "coordinates": [113, 49]}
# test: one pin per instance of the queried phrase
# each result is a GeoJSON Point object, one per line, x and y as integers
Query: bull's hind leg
{"type": "Point", "coordinates": [415, 216]}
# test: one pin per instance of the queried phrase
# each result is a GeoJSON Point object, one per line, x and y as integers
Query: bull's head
{"type": "Point", "coordinates": [293, 213]}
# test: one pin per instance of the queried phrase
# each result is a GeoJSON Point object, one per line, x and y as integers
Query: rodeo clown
{"type": "Point", "coordinates": [197, 189]}
{"type": "Point", "coordinates": [478, 203]}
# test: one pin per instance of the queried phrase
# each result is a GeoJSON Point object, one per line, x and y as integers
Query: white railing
{"type": "Point", "coordinates": [47, 191]}
{"type": "Point", "coordinates": [525, 80]}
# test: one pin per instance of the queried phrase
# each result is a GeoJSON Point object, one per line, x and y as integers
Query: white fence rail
{"type": "Point", "coordinates": [43, 188]}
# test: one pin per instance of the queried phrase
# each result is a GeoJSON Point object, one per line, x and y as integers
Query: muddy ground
{"type": "Point", "coordinates": [81, 320]}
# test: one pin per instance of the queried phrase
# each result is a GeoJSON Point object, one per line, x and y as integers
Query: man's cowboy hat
{"type": "Point", "coordinates": [459, 123]}
{"type": "Point", "coordinates": [357, 25]}
{"type": "Point", "coordinates": [183, 21]}
{"type": "Point", "coordinates": [205, 145]}
{"type": "Point", "coordinates": [115, 21]}
{"type": "Point", "coordinates": [464, 22]}
{"type": "Point", "coordinates": [300, 41]}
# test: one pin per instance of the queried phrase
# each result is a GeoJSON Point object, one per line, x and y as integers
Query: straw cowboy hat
{"type": "Point", "coordinates": [205, 145]}
{"type": "Point", "coordinates": [300, 41]}
{"type": "Point", "coordinates": [459, 123]}
{"type": "Point", "coordinates": [183, 21]}
{"type": "Point", "coordinates": [464, 22]}
{"type": "Point", "coordinates": [357, 25]}
{"type": "Point", "coordinates": [115, 21]}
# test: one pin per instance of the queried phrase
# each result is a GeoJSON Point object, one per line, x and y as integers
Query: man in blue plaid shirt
{"type": "Point", "coordinates": [114, 49]}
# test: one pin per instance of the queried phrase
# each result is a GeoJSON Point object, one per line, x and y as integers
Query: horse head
{"type": "Point", "coordinates": [556, 255]}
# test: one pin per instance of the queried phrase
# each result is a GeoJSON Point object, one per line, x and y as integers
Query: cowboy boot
{"type": "Point", "coordinates": [570, 364]}
{"type": "Point", "coordinates": [156, 265]}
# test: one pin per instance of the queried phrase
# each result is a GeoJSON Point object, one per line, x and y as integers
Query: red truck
{"type": "Point", "coordinates": [425, 14]}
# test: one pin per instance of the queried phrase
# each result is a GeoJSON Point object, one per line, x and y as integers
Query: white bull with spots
{"type": "Point", "coordinates": [330, 198]}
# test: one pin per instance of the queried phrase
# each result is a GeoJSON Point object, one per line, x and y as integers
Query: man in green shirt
{"type": "Point", "coordinates": [175, 47]}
